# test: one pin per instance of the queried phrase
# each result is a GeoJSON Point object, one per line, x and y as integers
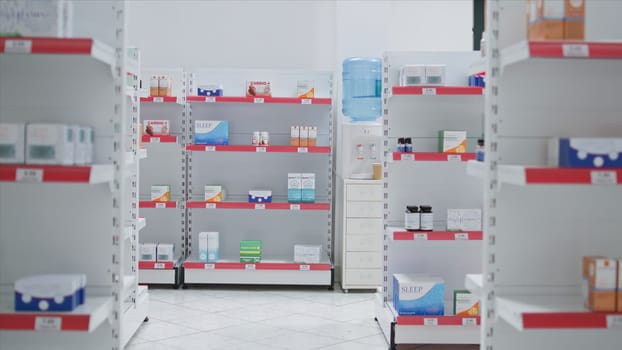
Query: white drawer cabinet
{"type": "Point", "coordinates": [362, 234]}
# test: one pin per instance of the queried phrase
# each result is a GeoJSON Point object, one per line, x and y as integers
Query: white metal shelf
{"type": "Point", "coordinates": [474, 283]}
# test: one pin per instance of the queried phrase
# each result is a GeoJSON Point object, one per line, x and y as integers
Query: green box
{"type": "Point", "coordinates": [250, 245]}
{"type": "Point", "coordinates": [247, 259]}
{"type": "Point", "coordinates": [250, 252]}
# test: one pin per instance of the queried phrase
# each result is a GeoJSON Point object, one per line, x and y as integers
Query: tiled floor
{"type": "Point", "coordinates": [259, 318]}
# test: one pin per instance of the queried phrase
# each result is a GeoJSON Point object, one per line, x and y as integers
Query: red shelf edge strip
{"type": "Point", "coordinates": [70, 46]}
{"type": "Point", "coordinates": [258, 266]}
{"type": "Point", "coordinates": [26, 321]}
{"type": "Point", "coordinates": [165, 99]}
{"type": "Point", "coordinates": [434, 156]}
{"type": "Point", "coordinates": [251, 148]}
{"type": "Point", "coordinates": [268, 206]}
{"type": "Point", "coordinates": [440, 90]}
{"type": "Point", "coordinates": [436, 235]}
{"type": "Point", "coordinates": [565, 320]}
{"type": "Point", "coordinates": [564, 176]}
{"type": "Point", "coordinates": [554, 49]}
{"type": "Point", "coordinates": [51, 173]}
{"type": "Point", "coordinates": [442, 320]}
{"type": "Point", "coordinates": [153, 204]}
{"type": "Point", "coordinates": [150, 265]}
{"type": "Point", "coordinates": [245, 99]}
{"type": "Point", "coordinates": [163, 138]}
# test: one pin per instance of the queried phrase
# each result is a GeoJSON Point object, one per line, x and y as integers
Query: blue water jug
{"type": "Point", "coordinates": [362, 88]}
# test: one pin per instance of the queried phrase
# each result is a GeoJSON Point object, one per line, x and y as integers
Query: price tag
{"type": "Point", "coordinates": [210, 148]}
{"type": "Point", "coordinates": [209, 266]}
{"type": "Point", "coordinates": [461, 236]}
{"type": "Point", "coordinates": [260, 206]}
{"type": "Point", "coordinates": [407, 156]}
{"type": "Point", "coordinates": [469, 321]}
{"type": "Point", "coordinates": [294, 207]}
{"type": "Point", "coordinates": [160, 205]}
{"type": "Point", "coordinates": [210, 205]}
{"type": "Point", "coordinates": [210, 99]}
{"type": "Point", "coordinates": [154, 140]}
{"type": "Point", "coordinates": [428, 91]}
{"type": "Point", "coordinates": [250, 267]}
{"type": "Point", "coordinates": [604, 177]}
{"type": "Point", "coordinates": [421, 236]}
{"type": "Point", "coordinates": [29, 175]}
{"type": "Point", "coordinates": [18, 46]}
{"type": "Point", "coordinates": [306, 101]}
{"type": "Point", "coordinates": [305, 268]}
{"type": "Point", "coordinates": [576, 50]}
{"type": "Point", "coordinates": [430, 321]}
{"type": "Point", "coordinates": [258, 100]}
{"type": "Point", "coordinates": [260, 149]}
{"type": "Point", "coordinates": [159, 266]}
{"type": "Point", "coordinates": [303, 150]}
{"type": "Point", "coordinates": [158, 99]}
{"type": "Point", "coordinates": [454, 158]}
{"type": "Point", "coordinates": [48, 323]}
{"type": "Point", "coordinates": [614, 321]}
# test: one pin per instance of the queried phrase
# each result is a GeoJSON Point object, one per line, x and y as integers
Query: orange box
{"type": "Point", "coordinates": [294, 139]}
{"type": "Point", "coordinates": [620, 285]}
{"type": "Point", "coordinates": [603, 273]}
{"type": "Point", "coordinates": [574, 20]}
{"type": "Point", "coordinates": [585, 286]}
{"type": "Point", "coordinates": [534, 12]}
{"type": "Point", "coordinates": [304, 136]}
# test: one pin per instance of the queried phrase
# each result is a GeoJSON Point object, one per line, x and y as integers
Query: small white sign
{"type": "Point", "coordinates": [604, 177]}
{"type": "Point", "coordinates": [209, 266]}
{"type": "Point", "coordinates": [428, 91]}
{"type": "Point", "coordinates": [469, 321]}
{"type": "Point", "coordinates": [294, 207]}
{"type": "Point", "coordinates": [250, 267]}
{"type": "Point", "coordinates": [158, 100]}
{"type": "Point", "coordinates": [258, 100]}
{"type": "Point", "coordinates": [159, 266]}
{"type": "Point", "coordinates": [306, 101]}
{"type": "Point", "coordinates": [210, 99]}
{"type": "Point", "coordinates": [210, 205]}
{"type": "Point", "coordinates": [260, 149]}
{"type": "Point", "coordinates": [421, 236]}
{"type": "Point", "coordinates": [210, 148]}
{"type": "Point", "coordinates": [303, 150]}
{"type": "Point", "coordinates": [29, 175]}
{"type": "Point", "coordinates": [430, 321]}
{"type": "Point", "coordinates": [407, 156]}
{"type": "Point", "coordinates": [160, 205]}
{"type": "Point", "coordinates": [154, 140]}
{"type": "Point", "coordinates": [461, 236]}
{"type": "Point", "coordinates": [576, 50]}
{"type": "Point", "coordinates": [454, 158]}
{"type": "Point", "coordinates": [48, 323]}
{"type": "Point", "coordinates": [260, 206]}
{"type": "Point", "coordinates": [305, 268]}
{"type": "Point", "coordinates": [614, 321]}
{"type": "Point", "coordinates": [18, 46]}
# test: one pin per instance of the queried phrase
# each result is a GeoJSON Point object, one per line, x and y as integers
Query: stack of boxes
{"type": "Point", "coordinates": [250, 251]}
{"type": "Point", "coordinates": [602, 289]}
{"type": "Point", "coordinates": [301, 187]}
{"type": "Point", "coordinates": [157, 252]}
{"type": "Point", "coordinates": [305, 136]}
{"type": "Point", "coordinates": [308, 254]}
{"type": "Point", "coordinates": [209, 246]}
{"type": "Point", "coordinates": [160, 86]}
{"type": "Point", "coordinates": [556, 19]}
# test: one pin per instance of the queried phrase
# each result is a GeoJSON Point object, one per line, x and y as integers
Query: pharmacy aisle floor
{"type": "Point", "coordinates": [261, 318]}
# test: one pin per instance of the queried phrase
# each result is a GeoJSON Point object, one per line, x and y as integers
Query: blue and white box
{"type": "Point", "coordinates": [211, 132]}
{"type": "Point", "coordinates": [209, 247]}
{"type": "Point", "coordinates": [415, 294]}
{"type": "Point", "coordinates": [308, 187]}
{"type": "Point", "coordinates": [12, 142]}
{"type": "Point", "coordinates": [54, 292]}
{"type": "Point", "coordinates": [294, 187]}
{"type": "Point", "coordinates": [210, 90]}
{"type": "Point", "coordinates": [260, 196]}
{"type": "Point", "coordinates": [586, 152]}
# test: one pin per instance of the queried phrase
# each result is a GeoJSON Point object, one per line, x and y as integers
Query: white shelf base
{"type": "Point", "coordinates": [148, 276]}
{"type": "Point", "coordinates": [264, 277]}
{"type": "Point", "coordinates": [135, 316]}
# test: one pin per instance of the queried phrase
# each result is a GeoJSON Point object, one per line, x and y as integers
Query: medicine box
{"type": "Point", "coordinates": [308, 254]}
{"type": "Point", "coordinates": [619, 297]}
{"type": "Point", "coordinates": [304, 136]}
{"type": "Point", "coordinates": [210, 90]}
{"type": "Point", "coordinates": [585, 274]}
{"type": "Point", "coordinates": [160, 193]}
{"type": "Point", "coordinates": [452, 141]}
{"type": "Point", "coordinates": [249, 245]}
{"type": "Point", "coordinates": [308, 187]}
{"type": "Point", "coordinates": [213, 246]}
{"type": "Point", "coordinates": [12, 142]}
{"type": "Point", "coordinates": [90, 144]}
{"type": "Point", "coordinates": [412, 74]}
{"type": "Point", "coordinates": [50, 144]}
{"type": "Point", "coordinates": [258, 88]}
{"type": "Point", "coordinates": [148, 251]}
{"type": "Point", "coordinates": [157, 127]}
{"type": "Point", "coordinates": [305, 89]}
{"type": "Point", "coordinates": [211, 132]}
{"type": "Point", "coordinates": [602, 284]}
{"type": "Point", "coordinates": [53, 292]}
{"type": "Point", "coordinates": [435, 74]}
{"type": "Point", "coordinates": [294, 139]}
{"type": "Point", "coordinates": [294, 187]}
{"type": "Point", "coordinates": [80, 145]}
{"type": "Point", "coordinates": [464, 219]}
{"type": "Point", "coordinates": [312, 137]}
{"type": "Point", "coordinates": [165, 85]}
{"type": "Point", "coordinates": [418, 294]}
{"type": "Point", "coordinates": [260, 196]}
{"type": "Point", "coordinates": [154, 85]}
{"type": "Point", "coordinates": [586, 152]}
{"type": "Point", "coordinates": [465, 303]}
{"type": "Point", "coordinates": [214, 193]}
{"type": "Point", "coordinates": [48, 18]}
{"type": "Point", "coordinates": [574, 20]}
{"type": "Point", "coordinates": [165, 252]}
{"type": "Point", "coordinates": [250, 251]}
{"type": "Point", "coordinates": [203, 246]}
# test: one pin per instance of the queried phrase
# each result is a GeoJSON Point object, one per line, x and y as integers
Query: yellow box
{"type": "Point", "coordinates": [602, 284]}
{"type": "Point", "coordinates": [160, 193]}
{"type": "Point", "coordinates": [214, 193]}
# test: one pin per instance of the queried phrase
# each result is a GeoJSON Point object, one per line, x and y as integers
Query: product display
{"type": "Point", "coordinates": [260, 196]}
{"type": "Point", "coordinates": [619, 287]}
{"type": "Point", "coordinates": [305, 89]}
{"type": "Point", "coordinates": [294, 139]}
{"type": "Point", "coordinates": [308, 187]}
{"type": "Point", "coordinates": [258, 89]}
{"type": "Point", "coordinates": [308, 254]}
{"type": "Point", "coordinates": [427, 218]}
{"type": "Point", "coordinates": [255, 138]}
{"type": "Point", "coordinates": [214, 193]}
{"type": "Point", "coordinates": [480, 150]}
{"type": "Point", "coordinates": [12, 143]}
{"type": "Point", "coordinates": [415, 294]}
{"type": "Point", "coordinates": [435, 74]}
{"type": "Point", "coordinates": [452, 141]}
{"type": "Point", "coordinates": [211, 132]}
{"type": "Point", "coordinates": [602, 283]}
{"type": "Point", "coordinates": [210, 90]}
{"type": "Point", "coordinates": [148, 251]}
{"type": "Point", "coordinates": [53, 292]}
{"type": "Point", "coordinates": [50, 144]}
{"type": "Point", "coordinates": [160, 193]}
{"type": "Point", "coordinates": [157, 127]}
{"type": "Point", "coordinates": [464, 219]}
{"type": "Point", "coordinates": [556, 19]}
{"type": "Point", "coordinates": [81, 146]}
{"type": "Point", "coordinates": [412, 74]}
{"type": "Point", "coordinates": [264, 138]}
{"type": "Point", "coordinates": [294, 187]}
{"type": "Point", "coordinates": [304, 136]}
{"type": "Point", "coordinates": [412, 218]}
{"type": "Point", "coordinates": [209, 246]}
{"type": "Point", "coordinates": [465, 303]}
{"type": "Point", "coordinates": [477, 80]}
{"type": "Point", "coordinates": [250, 251]}
{"type": "Point", "coordinates": [586, 152]}
{"type": "Point", "coordinates": [165, 252]}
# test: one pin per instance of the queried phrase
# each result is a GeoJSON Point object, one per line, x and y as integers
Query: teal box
{"type": "Point", "coordinates": [211, 132]}
{"type": "Point", "coordinates": [308, 188]}
{"type": "Point", "coordinates": [294, 187]}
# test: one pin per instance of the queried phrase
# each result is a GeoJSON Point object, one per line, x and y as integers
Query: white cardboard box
{"type": "Point", "coordinates": [12, 142]}
{"type": "Point", "coordinates": [50, 144]}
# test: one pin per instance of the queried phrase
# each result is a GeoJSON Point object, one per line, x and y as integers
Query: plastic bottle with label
{"type": "Point", "coordinates": [427, 218]}
{"type": "Point", "coordinates": [412, 218]}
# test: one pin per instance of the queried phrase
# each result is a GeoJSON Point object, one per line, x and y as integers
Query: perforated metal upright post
{"type": "Point", "coordinates": [491, 183]}
{"type": "Point", "coordinates": [134, 113]}
{"type": "Point", "coordinates": [331, 183]}
{"type": "Point", "coordinates": [387, 155]}
{"type": "Point", "coordinates": [119, 190]}
{"type": "Point", "coordinates": [188, 168]}
{"type": "Point", "coordinates": [185, 139]}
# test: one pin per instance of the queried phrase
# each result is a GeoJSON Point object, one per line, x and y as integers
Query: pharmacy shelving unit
{"type": "Point", "coordinates": [72, 219]}
{"type": "Point", "coordinates": [241, 166]}
{"type": "Point", "coordinates": [540, 220]}
{"type": "Point", "coordinates": [166, 165]}
{"type": "Point", "coordinates": [425, 177]}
